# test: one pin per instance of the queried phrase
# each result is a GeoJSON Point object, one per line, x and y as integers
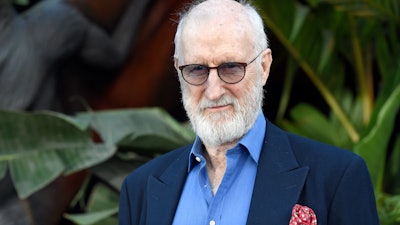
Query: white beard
{"type": "Point", "coordinates": [216, 129]}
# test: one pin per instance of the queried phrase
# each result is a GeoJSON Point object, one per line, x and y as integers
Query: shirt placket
{"type": "Point", "coordinates": [235, 162]}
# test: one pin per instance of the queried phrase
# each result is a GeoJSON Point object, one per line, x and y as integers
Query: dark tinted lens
{"type": "Point", "coordinates": [195, 74]}
{"type": "Point", "coordinates": [231, 72]}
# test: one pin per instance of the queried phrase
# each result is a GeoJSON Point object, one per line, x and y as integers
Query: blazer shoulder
{"type": "Point", "coordinates": [315, 154]}
{"type": "Point", "coordinates": [305, 148]}
{"type": "Point", "coordinates": [325, 159]}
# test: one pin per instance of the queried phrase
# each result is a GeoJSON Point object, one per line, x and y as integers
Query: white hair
{"type": "Point", "coordinates": [260, 40]}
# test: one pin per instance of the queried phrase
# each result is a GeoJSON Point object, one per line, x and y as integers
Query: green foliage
{"type": "Point", "coordinates": [101, 208]}
{"type": "Point", "coordinates": [139, 128]}
{"type": "Point", "coordinates": [389, 209]}
{"type": "Point", "coordinates": [373, 146]}
{"type": "Point", "coordinates": [350, 51]}
{"type": "Point", "coordinates": [39, 147]}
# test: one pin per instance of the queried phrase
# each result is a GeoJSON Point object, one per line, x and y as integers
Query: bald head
{"type": "Point", "coordinates": [218, 18]}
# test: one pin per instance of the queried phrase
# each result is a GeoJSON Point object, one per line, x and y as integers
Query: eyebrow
{"type": "Point", "coordinates": [228, 57]}
{"type": "Point", "coordinates": [226, 60]}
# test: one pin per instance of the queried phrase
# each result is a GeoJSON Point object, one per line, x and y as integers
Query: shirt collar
{"type": "Point", "coordinates": [252, 141]}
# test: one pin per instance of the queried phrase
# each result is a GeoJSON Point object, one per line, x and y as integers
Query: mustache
{"type": "Point", "coordinates": [224, 100]}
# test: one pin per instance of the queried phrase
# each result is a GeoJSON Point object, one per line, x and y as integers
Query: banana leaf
{"type": "Point", "coordinates": [102, 205]}
{"type": "Point", "coordinates": [102, 217]}
{"type": "Point", "coordinates": [373, 146]}
{"type": "Point", "coordinates": [39, 147]}
{"type": "Point", "coordinates": [147, 130]}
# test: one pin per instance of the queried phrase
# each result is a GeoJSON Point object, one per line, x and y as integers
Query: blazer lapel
{"type": "Point", "coordinates": [279, 181]}
{"type": "Point", "coordinates": [163, 193]}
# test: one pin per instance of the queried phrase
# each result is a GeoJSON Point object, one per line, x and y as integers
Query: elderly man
{"type": "Point", "coordinates": [241, 169]}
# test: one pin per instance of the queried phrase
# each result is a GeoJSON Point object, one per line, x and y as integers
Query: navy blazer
{"type": "Point", "coordinates": [335, 183]}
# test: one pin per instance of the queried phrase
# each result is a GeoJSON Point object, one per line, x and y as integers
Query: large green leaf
{"type": "Point", "coordinates": [372, 147]}
{"type": "Point", "coordinates": [388, 59]}
{"type": "Point", "coordinates": [150, 129]}
{"type": "Point", "coordinates": [300, 15]}
{"type": "Point", "coordinates": [353, 106]}
{"type": "Point", "coordinates": [306, 120]}
{"type": "Point", "coordinates": [279, 11]}
{"type": "Point", "coordinates": [102, 204]}
{"type": "Point", "coordinates": [39, 147]}
{"type": "Point", "coordinates": [387, 50]}
{"type": "Point", "coordinates": [102, 198]}
{"type": "Point", "coordinates": [393, 167]}
{"type": "Point", "coordinates": [92, 217]}
{"type": "Point", "coordinates": [114, 170]}
{"type": "Point", "coordinates": [291, 68]}
{"type": "Point", "coordinates": [34, 171]}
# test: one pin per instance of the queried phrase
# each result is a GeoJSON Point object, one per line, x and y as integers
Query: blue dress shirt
{"type": "Point", "coordinates": [231, 203]}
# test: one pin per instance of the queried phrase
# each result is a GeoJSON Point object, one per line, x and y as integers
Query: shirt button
{"type": "Point", "coordinates": [212, 222]}
{"type": "Point", "coordinates": [198, 159]}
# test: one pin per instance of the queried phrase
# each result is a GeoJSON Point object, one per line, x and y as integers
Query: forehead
{"type": "Point", "coordinates": [215, 29]}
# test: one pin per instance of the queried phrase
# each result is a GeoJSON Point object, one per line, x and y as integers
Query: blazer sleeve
{"type": "Point", "coordinates": [353, 201]}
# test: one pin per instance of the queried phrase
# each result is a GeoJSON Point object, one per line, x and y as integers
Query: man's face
{"type": "Point", "coordinates": [222, 113]}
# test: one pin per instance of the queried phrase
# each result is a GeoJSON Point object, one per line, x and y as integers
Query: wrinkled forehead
{"type": "Point", "coordinates": [216, 13]}
{"type": "Point", "coordinates": [216, 21]}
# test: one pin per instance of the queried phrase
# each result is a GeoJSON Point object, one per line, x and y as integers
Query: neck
{"type": "Point", "coordinates": [216, 164]}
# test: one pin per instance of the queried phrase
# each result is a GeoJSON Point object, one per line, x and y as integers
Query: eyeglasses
{"type": "Point", "coordinates": [229, 72]}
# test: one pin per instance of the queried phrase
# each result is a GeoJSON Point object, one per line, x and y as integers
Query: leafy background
{"type": "Point", "coordinates": [349, 50]}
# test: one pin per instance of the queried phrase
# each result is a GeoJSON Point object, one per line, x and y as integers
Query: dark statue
{"type": "Point", "coordinates": [34, 44]}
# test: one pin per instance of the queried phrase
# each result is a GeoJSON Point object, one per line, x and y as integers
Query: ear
{"type": "Point", "coordinates": [176, 63]}
{"type": "Point", "coordinates": [266, 64]}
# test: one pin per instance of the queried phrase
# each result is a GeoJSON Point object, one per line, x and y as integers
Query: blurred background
{"type": "Point", "coordinates": [335, 78]}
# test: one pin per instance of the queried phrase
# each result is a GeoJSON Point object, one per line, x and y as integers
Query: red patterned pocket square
{"type": "Point", "coordinates": [303, 215]}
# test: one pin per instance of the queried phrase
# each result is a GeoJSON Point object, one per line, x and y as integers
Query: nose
{"type": "Point", "coordinates": [214, 88]}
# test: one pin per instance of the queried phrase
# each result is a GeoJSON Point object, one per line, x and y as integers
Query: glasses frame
{"type": "Point", "coordinates": [218, 67]}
